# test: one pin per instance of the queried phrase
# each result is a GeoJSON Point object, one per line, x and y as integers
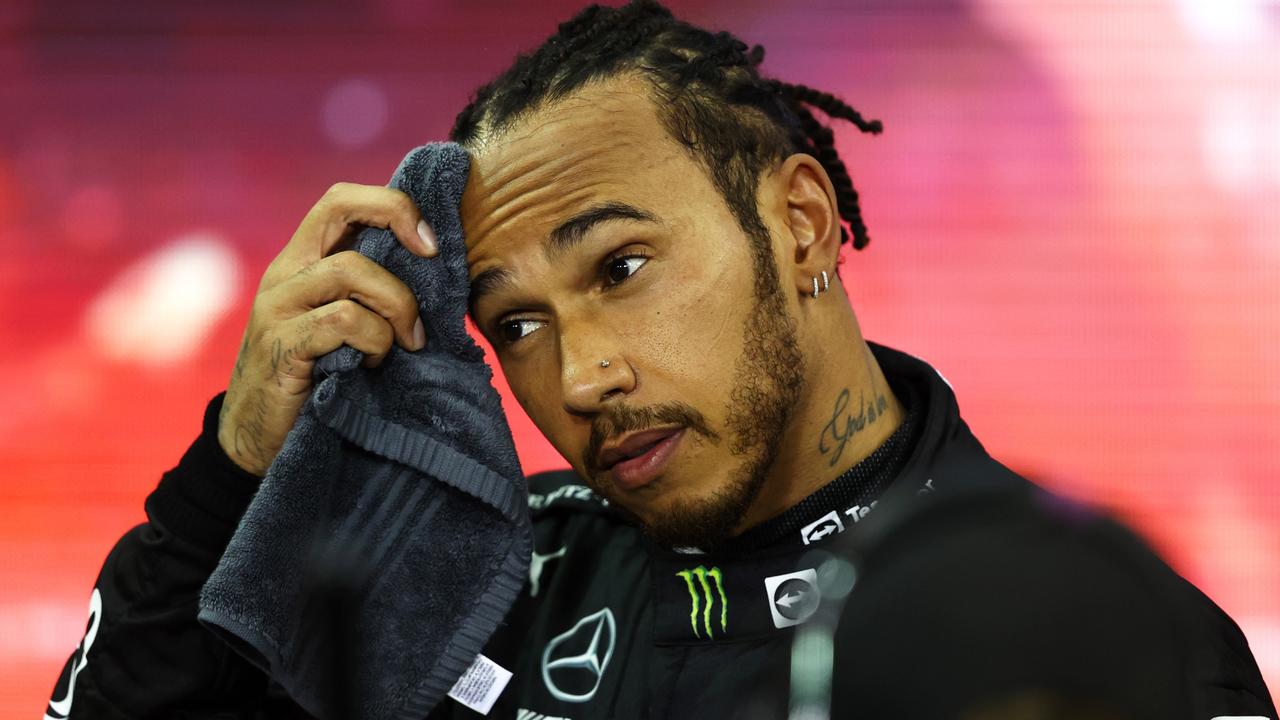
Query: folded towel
{"type": "Point", "coordinates": [408, 476]}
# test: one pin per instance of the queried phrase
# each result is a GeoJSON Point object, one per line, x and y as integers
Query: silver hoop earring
{"type": "Point", "coordinates": [815, 287]}
{"type": "Point", "coordinates": [824, 281]}
{"type": "Point", "coordinates": [604, 363]}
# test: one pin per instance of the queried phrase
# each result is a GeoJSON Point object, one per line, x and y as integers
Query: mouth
{"type": "Point", "coordinates": [642, 458]}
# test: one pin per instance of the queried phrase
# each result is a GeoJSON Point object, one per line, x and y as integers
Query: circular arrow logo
{"type": "Point", "coordinates": [792, 597]}
{"type": "Point", "coordinates": [795, 599]}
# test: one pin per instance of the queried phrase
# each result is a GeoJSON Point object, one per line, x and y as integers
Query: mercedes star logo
{"type": "Point", "coordinates": [572, 668]}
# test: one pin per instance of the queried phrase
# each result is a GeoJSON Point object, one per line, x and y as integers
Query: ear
{"type": "Point", "coordinates": [807, 200]}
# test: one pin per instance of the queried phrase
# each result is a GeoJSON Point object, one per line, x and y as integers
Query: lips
{"type": "Point", "coordinates": [641, 458]}
{"type": "Point", "coordinates": [632, 446]}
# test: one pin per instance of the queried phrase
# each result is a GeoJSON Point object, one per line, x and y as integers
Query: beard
{"type": "Point", "coordinates": [766, 385]}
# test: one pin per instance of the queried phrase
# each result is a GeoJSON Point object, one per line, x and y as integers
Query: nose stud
{"type": "Point", "coordinates": [604, 363]}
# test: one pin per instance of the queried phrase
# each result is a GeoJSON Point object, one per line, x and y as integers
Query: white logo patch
{"type": "Point", "coordinates": [564, 492]}
{"type": "Point", "coordinates": [793, 597]}
{"type": "Point", "coordinates": [828, 524]}
{"type": "Point", "coordinates": [832, 524]}
{"type": "Point", "coordinates": [580, 665]}
{"type": "Point", "coordinates": [536, 565]}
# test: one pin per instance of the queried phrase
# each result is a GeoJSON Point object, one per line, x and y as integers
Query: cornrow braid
{"type": "Point", "coordinates": [821, 140]}
{"type": "Point", "coordinates": [711, 98]}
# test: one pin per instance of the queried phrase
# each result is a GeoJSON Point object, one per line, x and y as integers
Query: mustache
{"type": "Point", "coordinates": [620, 419]}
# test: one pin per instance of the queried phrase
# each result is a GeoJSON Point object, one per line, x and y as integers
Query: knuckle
{"type": "Point", "coordinates": [340, 264]}
{"type": "Point", "coordinates": [333, 202]}
{"type": "Point", "coordinates": [402, 203]}
{"type": "Point", "coordinates": [305, 270]}
{"type": "Point", "coordinates": [345, 315]}
{"type": "Point", "coordinates": [307, 324]}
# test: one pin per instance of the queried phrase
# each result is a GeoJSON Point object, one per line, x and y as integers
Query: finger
{"type": "Point", "coordinates": [333, 220]}
{"type": "Point", "coordinates": [325, 329]}
{"type": "Point", "coordinates": [350, 275]}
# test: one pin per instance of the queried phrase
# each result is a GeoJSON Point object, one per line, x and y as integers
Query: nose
{"type": "Point", "coordinates": [592, 372]}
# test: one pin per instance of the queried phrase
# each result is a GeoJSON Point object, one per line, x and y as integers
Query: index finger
{"type": "Point", "coordinates": [333, 219]}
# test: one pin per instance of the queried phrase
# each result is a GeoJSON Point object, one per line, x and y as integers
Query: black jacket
{"type": "Point", "coordinates": [972, 592]}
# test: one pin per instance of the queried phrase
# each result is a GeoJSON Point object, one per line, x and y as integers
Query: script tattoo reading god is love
{"type": "Point", "coordinates": [844, 425]}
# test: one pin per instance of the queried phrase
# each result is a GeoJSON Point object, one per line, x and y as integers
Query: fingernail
{"type": "Point", "coordinates": [428, 237]}
{"type": "Point", "coordinates": [419, 335]}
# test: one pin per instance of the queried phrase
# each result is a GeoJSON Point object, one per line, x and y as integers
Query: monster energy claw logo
{"type": "Point", "coordinates": [701, 597]}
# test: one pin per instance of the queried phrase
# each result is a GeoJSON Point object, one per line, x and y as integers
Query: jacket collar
{"type": "Point", "coordinates": [712, 597]}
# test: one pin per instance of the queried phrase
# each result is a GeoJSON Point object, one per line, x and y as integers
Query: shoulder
{"type": "Point", "coordinates": [1022, 584]}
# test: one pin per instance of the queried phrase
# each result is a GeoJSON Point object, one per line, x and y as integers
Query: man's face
{"type": "Point", "coordinates": [593, 236]}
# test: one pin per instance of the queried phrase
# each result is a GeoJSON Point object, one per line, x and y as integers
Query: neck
{"type": "Point", "coordinates": [846, 411]}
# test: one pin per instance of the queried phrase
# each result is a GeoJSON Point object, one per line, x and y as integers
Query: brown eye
{"type": "Point", "coordinates": [621, 268]}
{"type": "Point", "coordinates": [514, 330]}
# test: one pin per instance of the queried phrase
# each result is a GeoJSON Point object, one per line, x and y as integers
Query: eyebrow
{"type": "Point", "coordinates": [568, 234]}
{"type": "Point", "coordinates": [575, 229]}
{"type": "Point", "coordinates": [485, 283]}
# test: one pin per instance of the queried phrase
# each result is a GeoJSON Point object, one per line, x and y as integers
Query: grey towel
{"type": "Point", "coordinates": [408, 477]}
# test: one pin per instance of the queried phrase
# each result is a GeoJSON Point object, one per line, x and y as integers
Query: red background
{"type": "Point", "coordinates": [1075, 212]}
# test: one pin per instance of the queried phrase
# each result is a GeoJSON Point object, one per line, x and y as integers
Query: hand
{"type": "Point", "coordinates": [316, 296]}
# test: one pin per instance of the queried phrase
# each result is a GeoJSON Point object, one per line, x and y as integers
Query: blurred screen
{"type": "Point", "coordinates": [1074, 211]}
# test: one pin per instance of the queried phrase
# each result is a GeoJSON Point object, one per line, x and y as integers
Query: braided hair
{"type": "Point", "coordinates": [711, 99]}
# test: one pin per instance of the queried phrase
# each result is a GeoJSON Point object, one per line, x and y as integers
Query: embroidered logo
{"type": "Point", "coordinates": [537, 564]}
{"type": "Point", "coordinates": [574, 661]}
{"type": "Point", "coordinates": [701, 598]}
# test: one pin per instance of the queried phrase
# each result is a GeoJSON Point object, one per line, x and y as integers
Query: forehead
{"type": "Point", "coordinates": [602, 143]}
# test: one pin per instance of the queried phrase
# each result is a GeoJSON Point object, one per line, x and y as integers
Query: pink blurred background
{"type": "Point", "coordinates": [1075, 213]}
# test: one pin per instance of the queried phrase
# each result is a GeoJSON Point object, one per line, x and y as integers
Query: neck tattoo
{"type": "Point", "coordinates": [843, 424]}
